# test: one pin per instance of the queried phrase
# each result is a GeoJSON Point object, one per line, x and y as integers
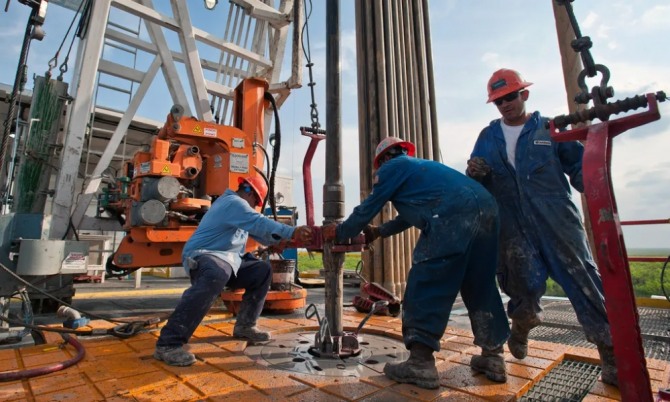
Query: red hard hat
{"type": "Point", "coordinates": [388, 143]}
{"type": "Point", "coordinates": [258, 184]}
{"type": "Point", "coordinates": [503, 82]}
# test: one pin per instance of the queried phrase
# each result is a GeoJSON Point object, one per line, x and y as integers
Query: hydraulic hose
{"type": "Point", "coordinates": [276, 152]}
{"type": "Point", "coordinates": [34, 372]}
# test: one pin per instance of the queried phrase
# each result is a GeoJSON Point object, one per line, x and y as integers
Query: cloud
{"type": "Point", "coordinates": [655, 18]}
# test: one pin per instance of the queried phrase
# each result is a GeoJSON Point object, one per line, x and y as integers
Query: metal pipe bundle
{"type": "Point", "coordinates": [396, 98]}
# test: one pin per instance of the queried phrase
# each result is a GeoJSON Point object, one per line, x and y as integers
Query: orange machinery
{"type": "Point", "coordinates": [169, 187]}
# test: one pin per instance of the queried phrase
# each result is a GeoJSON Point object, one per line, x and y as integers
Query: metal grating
{"type": "Point", "coordinates": [653, 321]}
{"type": "Point", "coordinates": [653, 348]}
{"type": "Point", "coordinates": [567, 382]}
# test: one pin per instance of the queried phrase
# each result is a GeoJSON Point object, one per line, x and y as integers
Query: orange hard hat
{"type": "Point", "coordinates": [259, 186]}
{"type": "Point", "coordinates": [503, 82]}
{"type": "Point", "coordinates": [389, 142]}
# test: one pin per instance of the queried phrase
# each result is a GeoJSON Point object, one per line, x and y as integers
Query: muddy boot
{"type": "Point", "coordinates": [174, 356]}
{"type": "Point", "coordinates": [608, 364]}
{"type": "Point", "coordinates": [245, 325]}
{"type": "Point", "coordinates": [518, 340]}
{"type": "Point", "coordinates": [251, 333]}
{"type": "Point", "coordinates": [419, 369]}
{"type": "Point", "coordinates": [491, 363]}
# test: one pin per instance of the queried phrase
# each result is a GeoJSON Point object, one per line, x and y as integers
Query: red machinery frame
{"type": "Point", "coordinates": [634, 382]}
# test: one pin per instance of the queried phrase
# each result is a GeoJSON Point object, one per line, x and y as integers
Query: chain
{"type": "Point", "coordinates": [314, 112]}
{"type": "Point", "coordinates": [582, 45]}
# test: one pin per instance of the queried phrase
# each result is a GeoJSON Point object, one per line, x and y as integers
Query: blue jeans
{"type": "Point", "coordinates": [207, 282]}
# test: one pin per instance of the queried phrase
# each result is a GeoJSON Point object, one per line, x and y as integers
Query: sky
{"type": "Point", "coordinates": [469, 42]}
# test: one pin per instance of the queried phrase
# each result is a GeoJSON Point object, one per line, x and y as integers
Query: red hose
{"type": "Point", "coordinates": [23, 374]}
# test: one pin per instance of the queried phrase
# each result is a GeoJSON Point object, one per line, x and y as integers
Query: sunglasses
{"type": "Point", "coordinates": [507, 98]}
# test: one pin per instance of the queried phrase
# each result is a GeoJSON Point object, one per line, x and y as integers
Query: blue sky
{"type": "Point", "coordinates": [469, 43]}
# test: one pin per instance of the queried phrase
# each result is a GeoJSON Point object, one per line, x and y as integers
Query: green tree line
{"type": "Point", "coordinates": [646, 276]}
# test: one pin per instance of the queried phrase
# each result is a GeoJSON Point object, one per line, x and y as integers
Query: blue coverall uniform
{"type": "Point", "coordinates": [214, 257]}
{"type": "Point", "coordinates": [541, 232]}
{"type": "Point", "coordinates": [456, 250]}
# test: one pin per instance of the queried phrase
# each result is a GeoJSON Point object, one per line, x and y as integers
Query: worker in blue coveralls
{"type": "Point", "coordinates": [456, 251]}
{"type": "Point", "coordinates": [541, 232]}
{"type": "Point", "coordinates": [215, 257]}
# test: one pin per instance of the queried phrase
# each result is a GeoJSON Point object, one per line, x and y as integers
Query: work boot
{"type": "Point", "coordinates": [250, 332]}
{"type": "Point", "coordinates": [491, 363]}
{"type": "Point", "coordinates": [608, 364]}
{"type": "Point", "coordinates": [419, 369]}
{"type": "Point", "coordinates": [518, 340]}
{"type": "Point", "coordinates": [174, 356]}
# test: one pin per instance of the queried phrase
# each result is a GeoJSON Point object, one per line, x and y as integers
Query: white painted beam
{"type": "Point", "coordinates": [78, 122]}
{"type": "Point", "coordinates": [113, 144]}
{"type": "Point", "coordinates": [194, 71]}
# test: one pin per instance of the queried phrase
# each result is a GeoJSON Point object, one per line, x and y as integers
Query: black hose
{"type": "Point", "coordinates": [276, 151]}
{"type": "Point", "coordinates": [34, 372]}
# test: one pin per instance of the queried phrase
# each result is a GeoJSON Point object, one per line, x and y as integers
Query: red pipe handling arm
{"type": "Point", "coordinates": [316, 136]}
{"type": "Point", "coordinates": [355, 244]}
{"type": "Point", "coordinates": [612, 258]}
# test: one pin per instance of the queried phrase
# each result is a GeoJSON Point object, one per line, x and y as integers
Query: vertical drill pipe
{"type": "Point", "coordinates": [422, 78]}
{"type": "Point", "coordinates": [431, 82]}
{"type": "Point", "coordinates": [333, 191]}
{"type": "Point", "coordinates": [366, 127]}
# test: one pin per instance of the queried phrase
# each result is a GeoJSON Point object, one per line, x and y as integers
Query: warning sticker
{"type": "Point", "coordinates": [197, 129]}
{"type": "Point", "coordinates": [166, 169]}
{"type": "Point", "coordinates": [239, 163]}
{"type": "Point", "coordinates": [75, 262]}
{"type": "Point", "coordinates": [238, 142]}
{"type": "Point", "coordinates": [210, 132]}
{"type": "Point", "coordinates": [144, 167]}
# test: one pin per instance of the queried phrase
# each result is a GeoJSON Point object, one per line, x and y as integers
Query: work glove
{"type": "Point", "coordinates": [477, 168]}
{"type": "Point", "coordinates": [329, 232]}
{"type": "Point", "coordinates": [371, 233]}
{"type": "Point", "coordinates": [302, 235]}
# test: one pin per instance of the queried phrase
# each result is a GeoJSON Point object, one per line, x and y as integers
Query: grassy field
{"type": "Point", "coordinates": [646, 276]}
{"type": "Point", "coordinates": [315, 261]}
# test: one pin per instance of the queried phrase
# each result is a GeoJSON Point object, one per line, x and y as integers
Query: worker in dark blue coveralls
{"type": "Point", "coordinates": [215, 257]}
{"type": "Point", "coordinates": [541, 231]}
{"type": "Point", "coordinates": [456, 251]}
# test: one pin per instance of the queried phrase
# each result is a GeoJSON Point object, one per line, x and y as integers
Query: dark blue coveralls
{"type": "Point", "coordinates": [541, 232]}
{"type": "Point", "coordinates": [456, 250]}
{"type": "Point", "coordinates": [214, 257]}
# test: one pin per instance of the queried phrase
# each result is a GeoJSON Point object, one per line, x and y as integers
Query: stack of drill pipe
{"type": "Point", "coordinates": [396, 98]}
{"type": "Point", "coordinates": [572, 66]}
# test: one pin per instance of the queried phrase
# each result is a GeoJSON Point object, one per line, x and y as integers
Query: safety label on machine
{"type": "Point", "coordinates": [238, 142]}
{"type": "Point", "coordinates": [145, 167]}
{"type": "Point", "coordinates": [75, 262]}
{"type": "Point", "coordinates": [210, 132]}
{"type": "Point", "coordinates": [239, 163]}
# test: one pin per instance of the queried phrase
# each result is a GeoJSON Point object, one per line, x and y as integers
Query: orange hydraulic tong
{"type": "Point", "coordinates": [167, 188]}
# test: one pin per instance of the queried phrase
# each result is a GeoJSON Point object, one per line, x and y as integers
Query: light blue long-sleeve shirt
{"type": "Point", "coordinates": [226, 227]}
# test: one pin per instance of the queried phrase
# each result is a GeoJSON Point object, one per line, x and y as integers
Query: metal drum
{"type": "Point", "coordinates": [283, 272]}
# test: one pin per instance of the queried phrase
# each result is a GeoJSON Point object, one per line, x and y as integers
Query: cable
{"type": "Point", "coordinates": [92, 315]}
{"type": "Point", "coordinates": [276, 151]}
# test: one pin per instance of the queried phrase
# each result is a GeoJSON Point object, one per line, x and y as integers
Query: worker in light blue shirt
{"type": "Point", "coordinates": [215, 257]}
{"type": "Point", "coordinates": [456, 251]}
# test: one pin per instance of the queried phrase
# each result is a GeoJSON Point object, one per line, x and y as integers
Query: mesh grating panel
{"type": "Point", "coordinates": [567, 382]}
{"type": "Point", "coordinates": [653, 321]}
{"type": "Point", "coordinates": [653, 348]}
